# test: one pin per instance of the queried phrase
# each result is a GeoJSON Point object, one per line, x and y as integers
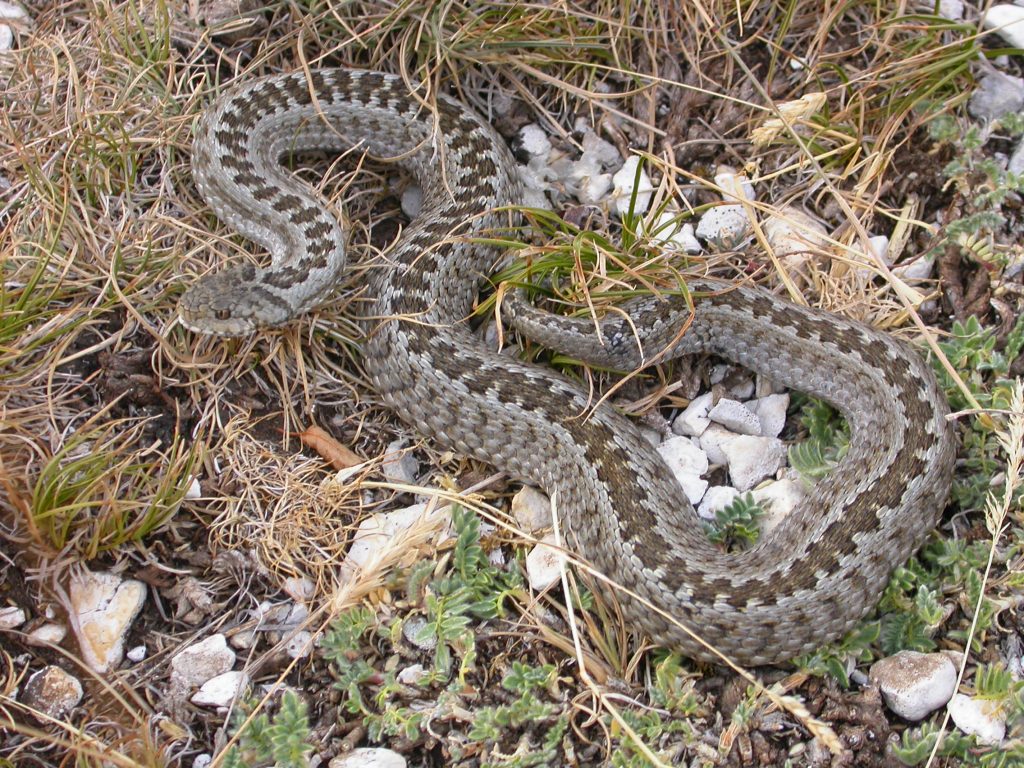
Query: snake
{"type": "Point", "coordinates": [803, 584]}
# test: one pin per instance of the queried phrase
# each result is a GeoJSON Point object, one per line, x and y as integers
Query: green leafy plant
{"type": "Point", "coordinates": [281, 740]}
{"type": "Point", "coordinates": [737, 525]}
{"type": "Point", "coordinates": [827, 441]}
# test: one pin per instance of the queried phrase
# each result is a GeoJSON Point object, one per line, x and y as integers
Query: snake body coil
{"type": "Point", "coordinates": [804, 583]}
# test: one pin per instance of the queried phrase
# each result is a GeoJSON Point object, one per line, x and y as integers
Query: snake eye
{"type": "Point", "coordinates": [222, 314]}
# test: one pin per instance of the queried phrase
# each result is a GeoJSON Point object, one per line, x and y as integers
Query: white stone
{"type": "Point", "coordinates": [667, 230]}
{"type": "Point", "coordinates": [531, 509]}
{"type": "Point", "coordinates": [879, 245]}
{"type": "Point", "coordinates": [624, 182]}
{"type": "Point", "coordinates": [299, 588]}
{"type": "Point", "coordinates": [735, 417]}
{"type": "Point", "coordinates": [368, 757]}
{"type": "Point", "coordinates": [52, 692]}
{"type": "Point", "coordinates": [716, 498]}
{"type": "Point", "coordinates": [221, 691]}
{"type": "Point", "coordinates": [194, 490]}
{"type": "Point", "coordinates": [995, 95]}
{"type": "Point", "coordinates": [713, 442]}
{"type": "Point", "coordinates": [543, 564]}
{"type": "Point", "coordinates": [12, 617]}
{"type": "Point", "coordinates": [299, 645]}
{"type": "Point", "coordinates": [920, 268]}
{"type": "Point", "coordinates": [1007, 21]}
{"type": "Point", "coordinates": [778, 499]}
{"type": "Point", "coordinates": [243, 640]}
{"type": "Point", "coordinates": [202, 760]}
{"type": "Point", "coordinates": [651, 435]}
{"type": "Point", "coordinates": [14, 12]}
{"type": "Point", "coordinates": [1015, 164]}
{"type": "Point", "coordinates": [979, 717]}
{"type": "Point", "coordinates": [688, 463]}
{"type": "Point", "coordinates": [47, 634]}
{"type": "Point", "coordinates": [795, 236]}
{"type": "Point", "coordinates": [752, 459]}
{"type": "Point", "coordinates": [411, 201]}
{"type": "Point", "coordinates": [914, 684]}
{"type": "Point", "coordinates": [104, 607]}
{"type": "Point", "coordinates": [687, 240]}
{"type": "Point", "coordinates": [693, 420]}
{"type": "Point", "coordinates": [735, 188]}
{"type": "Point", "coordinates": [604, 152]}
{"type": "Point", "coordinates": [948, 9]}
{"type": "Point", "coordinates": [411, 674]}
{"type": "Point", "coordinates": [202, 661]}
{"type": "Point", "coordinates": [534, 188]}
{"type": "Point", "coordinates": [380, 530]}
{"type": "Point", "coordinates": [592, 188]}
{"type": "Point", "coordinates": [136, 654]}
{"type": "Point", "coordinates": [534, 141]}
{"type": "Point", "coordinates": [399, 465]}
{"type": "Point", "coordinates": [771, 413]}
{"type": "Point", "coordinates": [724, 226]}
{"type": "Point", "coordinates": [740, 387]}
{"type": "Point", "coordinates": [414, 630]}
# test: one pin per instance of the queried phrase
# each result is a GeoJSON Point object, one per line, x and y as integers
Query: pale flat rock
{"type": "Point", "coordinates": [399, 465]}
{"type": "Point", "coordinates": [724, 226]}
{"type": "Point", "coordinates": [47, 634]}
{"type": "Point", "coordinates": [624, 182]}
{"type": "Point", "coordinates": [534, 141]}
{"type": "Point", "coordinates": [978, 717]}
{"type": "Point", "coordinates": [752, 459]}
{"type": "Point", "coordinates": [914, 684]}
{"type": "Point", "coordinates": [735, 416]}
{"type": "Point", "coordinates": [716, 498]}
{"type": "Point", "coordinates": [543, 564]}
{"type": "Point", "coordinates": [1007, 21]}
{"type": "Point", "coordinates": [740, 386]}
{"type": "Point", "coordinates": [688, 463]}
{"type": "Point", "coordinates": [778, 499]}
{"type": "Point", "coordinates": [948, 9]}
{"type": "Point", "coordinates": [12, 617]}
{"type": "Point", "coordinates": [771, 413]}
{"type": "Point", "coordinates": [592, 188]}
{"type": "Point", "coordinates": [693, 419]}
{"type": "Point", "coordinates": [380, 530]}
{"type": "Point", "coordinates": [52, 692]}
{"type": "Point", "coordinates": [411, 201]}
{"type": "Point", "coordinates": [416, 632]}
{"type": "Point", "coordinates": [301, 589]}
{"type": "Point", "coordinates": [104, 606]}
{"type": "Point", "coordinates": [531, 509]}
{"type": "Point", "coordinates": [996, 94]}
{"type": "Point", "coordinates": [921, 268]}
{"type": "Point", "coordinates": [670, 232]}
{"type": "Point", "coordinates": [299, 645]}
{"type": "Point", "coordinates": [368, 757]}
{"type": "Point", "coordinates": [713, 443]}
{"type": "Point", "coordinates": [221, 691]}
{"type": "Point", "coordinates": [411, 674]}
{"type": "Point", "coordinates": [735, 187]}
{"type": "Point", "coordinates": [194, 490]}
{"type": "Point", "coordinates": [202, 661]}
{"type": "Point", "coordinates": [796, 237]}
{"type": "Point", "coordinates": [603, 152]}
{"type": "Point", "coordinates": [136, 654]}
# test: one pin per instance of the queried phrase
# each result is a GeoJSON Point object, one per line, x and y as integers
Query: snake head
{"type": "Point", "coordinates": [231, 302]}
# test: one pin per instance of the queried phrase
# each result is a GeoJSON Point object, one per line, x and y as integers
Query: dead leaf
{"type": "Point", "coordinates": [337, 455]}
